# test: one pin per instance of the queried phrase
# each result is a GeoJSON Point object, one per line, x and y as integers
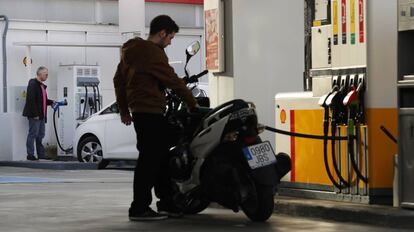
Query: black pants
{"type": "Point", "coordinates": [153, 143]}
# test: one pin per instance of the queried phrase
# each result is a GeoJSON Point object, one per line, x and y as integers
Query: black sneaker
{"type": "Point", "coordinates": [31, 157]}
{"type": "Point", "coordinates": [149, 215]}
{"type": "Point", "coordinates": [170, 210]}
{"type": "Point", "coordinates": [43, 157]}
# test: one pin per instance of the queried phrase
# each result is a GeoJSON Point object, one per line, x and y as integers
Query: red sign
{"type": "Point", "coordinates": [292, 147]}
{"type": "Point", "coordinates": [196, 2]}
{"type": "Point", "coordinates": [343, 20]}
{"type": "Point", "coordinates": [361, 21]}
{"type": "Point", "coordinates": [212, 39]}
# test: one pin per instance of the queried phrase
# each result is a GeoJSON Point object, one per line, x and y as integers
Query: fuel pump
{"type": "Point", "coordinates": [356, 116]}
{"type": "Point", "coordinates": [79, 85]}
{"type": "Point", "coordinates": [91, 101]}
{"type": "Point", "coordinates": [322, 102]}
{"type": "Point", "coordinates": [338, 66]}
{"type": "Point", "coordinates": [333, 102]}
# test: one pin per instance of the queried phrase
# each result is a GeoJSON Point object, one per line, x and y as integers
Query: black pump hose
{"type": "Point", "coordinates": [352, 156]}
{"type": "Point", "coordinates": [325, 154]}
{"type": "Point", "coordinates": [99, 98]}
{"type": "Point", "coordinates": [95, 109]}
{"type": "Point", "coordinates": [308, 136]}
{"type": "Point", "coordinates": [325, 138]}
{"type": "Point", "coordinates": [85, 102]}
{"type": "Point", "coordinates": [328, 171]}
{"type": "Point", "coordinates": [68, 150]}
{"type": "Point", "coordinates": [333, 150]}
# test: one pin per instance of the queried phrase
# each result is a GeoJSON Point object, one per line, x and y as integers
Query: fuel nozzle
{"type": "Point", "coordinates": [352, 95]}
{"type": "Point", "coordinates": [355, 99]}
{"type": "Point", "coordinates": [58, 104]}
{"type": "Point", "coordinates": [331, 101]}
{"type": "Point", "coordinates": [338, 86]}
{"type": "Point", "coordinates": [325, 102]}
{"type": "Point", "coordinates": [339, 112]}
{"type": "Point", "coordinates": [361, 95]}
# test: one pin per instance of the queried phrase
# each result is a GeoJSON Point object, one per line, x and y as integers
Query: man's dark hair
{"type": "Point", "coordinates": [163, 22]}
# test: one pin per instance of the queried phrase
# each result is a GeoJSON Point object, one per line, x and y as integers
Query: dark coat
{"type": "Point", "coordinates": [34, 100]}
{"type": "Point", "coordinates": [142, 76]}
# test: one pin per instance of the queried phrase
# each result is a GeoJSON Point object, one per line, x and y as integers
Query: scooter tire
{"type": "Point", "coordinates": [265, 204]}
{"type": "Point", "coordinates": [197, 206]}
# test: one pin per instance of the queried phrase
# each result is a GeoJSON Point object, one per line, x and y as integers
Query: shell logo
{"type": "Point", "coordinates": [283, 116]}
{"type": "Point", "coordinates": [26, 61]}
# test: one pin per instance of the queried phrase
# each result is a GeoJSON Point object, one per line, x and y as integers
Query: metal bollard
{"type": "Point", "coordinates": [396, 197]}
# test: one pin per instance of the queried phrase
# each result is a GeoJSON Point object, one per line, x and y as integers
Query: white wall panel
{"type": "Point", "coordinates": [70, 10]}
{"type": "Point", "coordinates": [268, 52]}
{"type": "Point", "coordinates": [184, 15]}
{"type": "Point", "coordinates": [63, 55]}
{"type": "Point", "coordinates": [108, 59]}
{"type": "Point", "coordinates": [17, 74]}
{"type": "Point", "coordinates": [109, 12]}
{"type": "Point", "coordinates": [24, 9]}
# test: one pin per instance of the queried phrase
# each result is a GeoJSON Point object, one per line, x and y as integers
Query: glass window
{"type": "Point", "coordinates": [113, 109]}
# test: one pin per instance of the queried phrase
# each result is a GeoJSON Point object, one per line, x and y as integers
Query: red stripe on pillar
{"type": "Point", "coordinates": [196, 2]}
{"type": "Point", "coordinates": [292, 147]}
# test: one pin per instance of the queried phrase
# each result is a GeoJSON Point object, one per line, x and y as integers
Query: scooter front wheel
{"type": "Point", "coordinates": [190, 204]}
{"type": "Point", "coordinates": [196, 206]}
{"type": "Point", "coordinates": [263, 205]}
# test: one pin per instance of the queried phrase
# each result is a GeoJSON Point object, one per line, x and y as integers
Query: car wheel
{"type": "Point", "coordinates": [90, 151]}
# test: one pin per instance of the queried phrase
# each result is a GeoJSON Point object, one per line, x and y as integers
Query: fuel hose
{"type": "Point", "coordinates": [67, 150]}
{"type": "Point", "coordinates": [309, 136]}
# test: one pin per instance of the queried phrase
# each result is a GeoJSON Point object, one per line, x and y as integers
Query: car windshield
{"type": "Point", "coordinates": [112, 109]}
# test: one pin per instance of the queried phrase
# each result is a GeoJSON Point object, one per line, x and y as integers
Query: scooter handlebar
{"type": "Point", "coordinates": [195, 78]}
{"type": "Point", "coordinates": [202, 73]}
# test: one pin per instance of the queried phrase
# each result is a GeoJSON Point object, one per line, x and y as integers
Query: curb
{"type": "Point", "coordinates": [51, 165]}
{"type": "Point", "coordinates": [346, 212]}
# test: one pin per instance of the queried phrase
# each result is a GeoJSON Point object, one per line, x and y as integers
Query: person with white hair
{"type": "Point", "coordinates": [35, 110]}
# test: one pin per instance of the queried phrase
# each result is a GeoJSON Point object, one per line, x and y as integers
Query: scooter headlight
{"type": "Point", "coordinates": [231, 136]}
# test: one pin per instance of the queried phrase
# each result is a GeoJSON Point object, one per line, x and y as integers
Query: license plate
{"type": "Point", "coordinates": [260, 155]}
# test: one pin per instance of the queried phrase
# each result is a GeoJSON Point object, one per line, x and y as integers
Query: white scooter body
{"type": "Point", "coordinates": [204, 143]}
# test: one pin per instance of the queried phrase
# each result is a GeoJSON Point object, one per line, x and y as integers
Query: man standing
{"type": "Point", "coordinates": [35, 111]}
{"type": "Point", "coordinates": [140, 81]}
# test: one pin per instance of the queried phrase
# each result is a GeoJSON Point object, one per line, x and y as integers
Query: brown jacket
{"type": "Point", "coordinates": [142, 76]}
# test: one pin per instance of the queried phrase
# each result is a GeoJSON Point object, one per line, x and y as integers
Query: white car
{"type": "Point", "coordinates": [102, 138]}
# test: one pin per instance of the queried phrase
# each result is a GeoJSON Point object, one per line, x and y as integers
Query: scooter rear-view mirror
{"type": "Point", "coordinates": [192, 49]}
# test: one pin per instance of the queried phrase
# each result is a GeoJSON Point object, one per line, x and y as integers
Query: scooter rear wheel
{"type": "Point", "coordinates": [264, 205]}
